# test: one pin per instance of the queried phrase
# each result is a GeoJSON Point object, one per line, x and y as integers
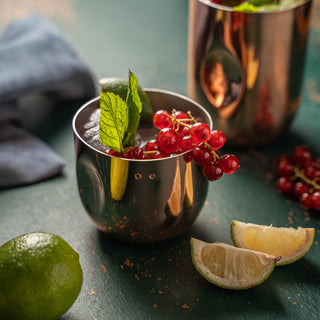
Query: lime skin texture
{"type": "Point", "coordinates": [40, 277]}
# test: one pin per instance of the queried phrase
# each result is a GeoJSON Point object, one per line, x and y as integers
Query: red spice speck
{"type": "Point", "coordinates": [185, 306]}
{"type": "Point", "coordinates": [103, 268]}
{"type": "Point", "coordinates": [91, 292]}
{"type": "Point", "coordinates": [137, 277]}
{"type": "Point", "coordinates": [128, 263]}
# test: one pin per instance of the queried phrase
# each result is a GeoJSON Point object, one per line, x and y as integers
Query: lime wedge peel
{"type": "Point", "coordinates": [289, 243]}
{"type": "Point", "coordinates": [230, 267]}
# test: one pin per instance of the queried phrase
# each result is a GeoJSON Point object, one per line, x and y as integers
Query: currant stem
{"type": "Point", "coordinates": [215, 155]}
{"type": "Point", "coordinates": [182, 121]}
{"type": "Point", "coordinates": [149, 152]}
{"type": "Point", "coordinates": [300, 174]}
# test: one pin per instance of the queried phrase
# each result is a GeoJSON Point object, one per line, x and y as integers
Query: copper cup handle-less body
{"type": "Point", "coordinates": [246, 69]}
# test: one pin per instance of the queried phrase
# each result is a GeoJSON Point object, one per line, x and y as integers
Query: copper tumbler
{"type": "Point", "coordinates": [247, 69]}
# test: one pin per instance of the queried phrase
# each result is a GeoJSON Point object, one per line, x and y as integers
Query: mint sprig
{"type": "Point", "coordinates": [134, 107]}
{"type": "Point", "coordinates": [113, 120]}
{"type": "Point", "coordinates": [119, 119]}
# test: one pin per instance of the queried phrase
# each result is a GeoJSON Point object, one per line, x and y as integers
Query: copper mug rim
{"type": "Point", "coordinates": [230, 9]}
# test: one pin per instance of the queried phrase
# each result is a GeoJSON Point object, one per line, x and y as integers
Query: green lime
{"type": "Point", "coordinates": [231, 267]}
{"type": "Point", "coordinates": [120, 87]}
{"type": "Point", "coordinates": [40, 277]}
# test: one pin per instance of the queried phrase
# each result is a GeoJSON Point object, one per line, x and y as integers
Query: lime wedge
{"type": "Point", "coordinates": [289, 243]}
{"type": "Point", "coordinates": [231, 267]}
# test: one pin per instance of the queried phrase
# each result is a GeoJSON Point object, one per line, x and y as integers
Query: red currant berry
{"type": "Point", "coordinates": [285, 185]}
{"type": "Point", "coordinates": [200, 132]}
{"type": "Point", "coordinates": [133, 152]}
{"type": "Point", "coordinates": [151, 145]}
{"type": "Point", "coordinates": [202, 155]}
{"type": "Point", "coordinates": [187, 144]}
{"type": "Point", "coordinates": [301, 154]}
{"type": "Point", "coordinates": [114, 153]}
{"type": "Point", "coordinates": [168, 140]}
{"type": "Point", "coordinates": [184, 132]}
{"type": "Point", "coordinates": [316, 200]}
{"type": "Point", "coordinates": [230, 163]}
{"type": "Point", "coordinates": [312, 163]}
{"type": "Point", "coordinates": [181, 115]}
{"type": "Point", "coordinates": [306, 201]}
{"type": "Point", "coordinates": [284, 166]}
{"type": "Point", "coordinates": [187, 157]}
{"type": "Point", "coordinates": [213, 171]}
{"type": "Point", "coordinates": [300, 188]}
{"type": "Point", "coordinates": [312, 172]}
{"type": "Point", "coordinates": [316, 163]}
{"type": "Point", "coordinates": [164, 154]}
{"type": "Point", "coordinates": [162, 119]}
{"type": "Point", "coordinates": [217, 139]}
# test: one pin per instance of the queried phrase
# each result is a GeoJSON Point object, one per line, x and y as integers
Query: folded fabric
{"type": "Point", "coordinates": [35, 58]}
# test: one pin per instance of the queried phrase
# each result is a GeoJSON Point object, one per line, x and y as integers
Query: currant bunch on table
{"type": "Point", "coordinates": [299, 177]}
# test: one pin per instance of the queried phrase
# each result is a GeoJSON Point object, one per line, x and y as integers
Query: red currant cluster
{"type": "Point", "coordinates": [181, 133]}
{"type": "Point", "coordinates": [300, 177]}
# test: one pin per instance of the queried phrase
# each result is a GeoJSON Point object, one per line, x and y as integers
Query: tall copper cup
{"type": "Point", "coordinates": [247, 69]}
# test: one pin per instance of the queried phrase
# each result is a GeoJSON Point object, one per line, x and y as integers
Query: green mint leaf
{"type": "Point", "coordinates": [113, 120]}
{"type": "Point", "coordinates": [134, 108]}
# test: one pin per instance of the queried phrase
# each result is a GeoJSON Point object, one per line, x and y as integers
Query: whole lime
{"type": "Point", "coordinates": [40, 277]}
{"type": "Point", "coordinates": [120, 87]}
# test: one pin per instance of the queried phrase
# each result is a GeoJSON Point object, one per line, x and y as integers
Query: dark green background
{"type": "Point", "coordinates": [124, 281]}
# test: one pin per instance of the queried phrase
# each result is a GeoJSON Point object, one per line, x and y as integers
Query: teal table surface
{"type": "Point", "coordinates": [124, 281]}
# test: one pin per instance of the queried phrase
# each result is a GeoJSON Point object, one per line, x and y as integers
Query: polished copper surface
{"type": "Point", "coordinates": [247, 69]}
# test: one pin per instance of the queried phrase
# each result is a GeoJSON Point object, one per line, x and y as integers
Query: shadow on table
{"type": "Point", "coordinates": [45, 116]}
{"type": "Point", "coordinates": [163, 282]}
{"type": "Point", "coordinates": [302, 272]}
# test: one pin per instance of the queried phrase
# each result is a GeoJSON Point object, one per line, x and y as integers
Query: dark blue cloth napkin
{"type": "Point", "coordinates": [35, 58]}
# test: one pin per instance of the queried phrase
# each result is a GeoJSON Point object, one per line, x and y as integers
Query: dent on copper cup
{"type": "Point", "coordinates": [247, 69]}
{"type": "Point", "coordinates": [139, 201]}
